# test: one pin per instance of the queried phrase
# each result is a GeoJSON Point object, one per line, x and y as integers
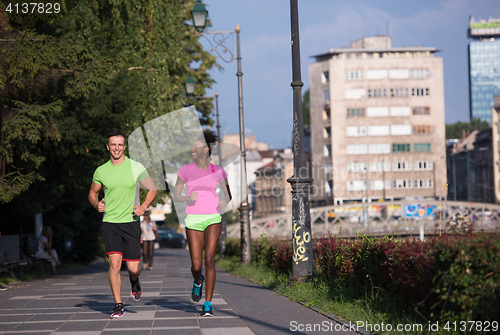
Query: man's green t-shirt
{"type": "Point", "coordinates": [121, 188]}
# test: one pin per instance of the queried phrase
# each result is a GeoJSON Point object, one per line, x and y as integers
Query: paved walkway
{"type": "Point", "coordinates": [79, 302]}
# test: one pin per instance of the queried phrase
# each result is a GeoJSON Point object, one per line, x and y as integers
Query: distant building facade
{"type": "Point", "coordinates": [484, 66]}
{"type": "Point", "coordinates": [377, 123]}
{"type": "Point", "coordinates": [272, 193]}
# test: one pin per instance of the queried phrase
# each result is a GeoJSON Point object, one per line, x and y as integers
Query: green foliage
{"type": "Point", "coordinates": [456, 130]}
{"type": "Point", "coordinates": [446, 278]}
{"type": "Point", "coordinates": [467, 282]}
{"type": "Point", "coordinates": [66, 80]}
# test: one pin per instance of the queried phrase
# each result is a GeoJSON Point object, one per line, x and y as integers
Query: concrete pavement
{"type": "Point", "coordinates": [79, 302]}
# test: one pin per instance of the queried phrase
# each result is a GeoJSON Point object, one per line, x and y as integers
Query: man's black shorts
{"type": "Point", "coordinates": [123, 239]}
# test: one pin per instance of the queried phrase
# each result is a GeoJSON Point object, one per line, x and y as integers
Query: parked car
{"type": "Point", "coordinates": [169, 238]}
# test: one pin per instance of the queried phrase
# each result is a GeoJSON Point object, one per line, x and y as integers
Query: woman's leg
{"type": "Point", "coordinates": [195, 241]}
{"type": "Point", "coordinates": [212, 236]}
{"type": "Point", "coordinates": [151, 253]}
{"type": "Point", "coordinates": [145, 253]}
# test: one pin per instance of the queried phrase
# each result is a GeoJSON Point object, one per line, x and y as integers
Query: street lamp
{"type": "Point", "coordinates": [302, 260]}
{"type": "Point", "coordinates": [219, 41]}
{"type": "Point", "coordinates": [199, 15]}
{"type": "Point", "coordinates": [190, 85]}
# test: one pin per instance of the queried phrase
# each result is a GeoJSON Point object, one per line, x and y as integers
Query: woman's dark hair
{"type": "Point", "coordinates": [210, 137]}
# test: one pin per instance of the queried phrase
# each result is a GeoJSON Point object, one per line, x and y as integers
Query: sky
{"type": "Point", "coordinates": [266, 51]}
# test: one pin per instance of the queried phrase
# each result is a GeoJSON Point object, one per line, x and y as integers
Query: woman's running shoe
{"type": "Point", "coordinates": [197, 290]}
{"type": "Point", "coordinates": [117, 311]}
{"type": "Point", "coordinates": [207, 309]}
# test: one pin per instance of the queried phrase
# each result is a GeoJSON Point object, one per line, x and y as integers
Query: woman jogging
{"type": "Point", "coordinates": [203, 209]}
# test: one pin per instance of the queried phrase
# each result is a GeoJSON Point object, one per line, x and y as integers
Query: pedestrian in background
{"type": "Point", "coordinates": [148, 236]}
{"type": "Point", "coordinates": [45, 250]}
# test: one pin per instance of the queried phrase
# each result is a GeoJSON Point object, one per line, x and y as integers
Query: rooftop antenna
{"type": "Point", "coordinates": [387, 28]}
{"type": "Point", "coordinates": [363, 29]}
{"type": "Point", "coordinates": [350, 39]}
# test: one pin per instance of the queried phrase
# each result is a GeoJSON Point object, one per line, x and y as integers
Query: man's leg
{"type": "Point", "coordinates": [134, 269]}
{"type": "Point", "coordinates": [115, 280]}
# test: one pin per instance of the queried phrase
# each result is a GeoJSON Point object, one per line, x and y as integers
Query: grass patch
{"type": "Point", "coordinates": [331, 297]}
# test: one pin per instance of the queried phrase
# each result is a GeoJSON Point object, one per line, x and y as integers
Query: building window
{"type": "Point", "coordinates": [377, 111]}
{"type": "Point", "coordinates": [355, 93]}
{"type": "Point", "coordinates": [399, 92]}
{"type": "Point", "coordinates": [419, 147]}
{"type": "Point", "coordinates": [421, 110]}
{"type": "Point", "coordinates": [401, 166]}
{"type": "Point", "coordinates": [422, 165]}
{"type": "Point", "coordinates": [326, 96]}
{"type": "Point", "coordinates": [400, 111]}
{"type": "Point", "coordinates": [378, 130]}
{"type": "Point", "coordinates": [355, 131]}
{"type": "Point", "coordinates": [377, 93]}
{"type": "Point", "coordinates": [354, 74]}
{"type": "Point", "coordinates": [420, 73]}
{"type": "Point", "coordinates": [399, 74]}
{"type": "Point", "coordinates": [419, 130]}
{"type": "Point", "coordinates": [379, 148]}
{"type": "Point", "coordinates": [400, 129]}
{"type": "Point", "coordinates": [401, 147]}
{"type": "Point", "coordinates": [377, 166]}
{"type": "Point", "coordinates": [355, 112]}
{"type": "Point", "coordinates": [356, 149]}
{"type": "Point", "coordinates": [378, 185]}
{"type": "Point", "coordinates": [325, 77]}
{"type": "Point", "coordinates": [424, 183]}
{"type": "Point", "coordinates": [356, 185]}
{"type": "Point", "coordinates": [356, 166]}
{"type": "Point", "coordinates": [376, 74]}
{"type": "Point", "coordinates": [402, 183]}
{"type": "Point", "coordinates": [419, 92]}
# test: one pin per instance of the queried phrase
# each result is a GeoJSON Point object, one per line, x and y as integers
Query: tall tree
{"type": "Point", "coordinates": [458, 129]}
{"type": "Point", "coordinates": [67, 79]}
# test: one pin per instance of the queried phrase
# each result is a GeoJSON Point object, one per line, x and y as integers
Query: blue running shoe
{"type": "Point", "coordinates": [207, 309]}
{"type": "Point", "coordinates": [196, 290]}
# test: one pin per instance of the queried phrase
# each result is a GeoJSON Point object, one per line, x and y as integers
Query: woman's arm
{"type": "Point", "coordinates": [179, 185]}
{"type": "Point", "coordinates": [227, 194]}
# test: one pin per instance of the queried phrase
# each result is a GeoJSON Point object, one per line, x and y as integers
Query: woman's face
{"type": "Point", "coordinates": [198, 150]}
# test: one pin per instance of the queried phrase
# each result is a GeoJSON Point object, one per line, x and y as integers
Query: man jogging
{"type": "Point", "coordinates": [120, 177]}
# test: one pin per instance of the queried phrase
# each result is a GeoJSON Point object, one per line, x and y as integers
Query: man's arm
{"type": "Point", "coordinates": [94, 197]}
{"type": "Point", "coordinates": [148, 184]}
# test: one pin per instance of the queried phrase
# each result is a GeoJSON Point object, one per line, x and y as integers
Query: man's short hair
{"type": "Point", "coordinates": [115, 133]}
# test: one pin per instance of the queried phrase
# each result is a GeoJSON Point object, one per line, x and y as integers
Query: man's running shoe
{"type": "Point", "coordinates": [196, 290]}
{"type": "Point", "coordinates": [207, 309]}
{"type": "Point", "coordinates": [136, 289]}
{"type": "Point", "coordinates": [117, 311]}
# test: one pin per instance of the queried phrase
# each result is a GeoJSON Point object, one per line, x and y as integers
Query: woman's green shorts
{"type": "Point", "coordinates": [200, 222]}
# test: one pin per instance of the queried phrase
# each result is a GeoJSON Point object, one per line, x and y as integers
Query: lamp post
{"type": "Point", "coordinates": [300, 181]}
{"type": "Point", "coordinates": [199, 14]}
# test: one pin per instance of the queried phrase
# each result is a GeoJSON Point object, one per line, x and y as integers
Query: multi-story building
{"type": "Point", "coordinates": [484, 66]}
{"type": "Point", "coordinates": [377, 122]}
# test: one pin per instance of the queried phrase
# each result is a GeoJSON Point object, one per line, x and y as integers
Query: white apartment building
{"type": "Point", "coordinates": [377, 122]}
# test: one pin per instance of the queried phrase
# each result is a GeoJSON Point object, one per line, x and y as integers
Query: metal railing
{"type": "Point", "coordinates": [406, 217]}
